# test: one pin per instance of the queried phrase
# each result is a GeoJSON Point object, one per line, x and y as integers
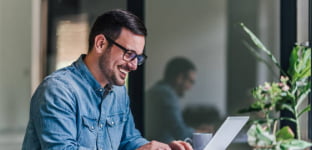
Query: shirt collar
{"type": "Point", "coordinates": [85, 72]}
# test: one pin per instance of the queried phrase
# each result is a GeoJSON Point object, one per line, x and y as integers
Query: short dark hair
{"type": "Point", "coordinates": [111, 23]}
{"type": "Point", "coordinates": [177, 66]}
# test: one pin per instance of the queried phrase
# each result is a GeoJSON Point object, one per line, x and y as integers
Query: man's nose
{"type": "Point", "coordinates": [133, 65]}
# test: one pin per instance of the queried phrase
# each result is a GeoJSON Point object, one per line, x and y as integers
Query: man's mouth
{"type": "Point", "coordinates": [123, 73]}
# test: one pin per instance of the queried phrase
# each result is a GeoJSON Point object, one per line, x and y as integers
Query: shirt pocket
{"type": "Point", "coordinates": [88, 132]}
{"type": "Point", "coordinates": [115, 127]}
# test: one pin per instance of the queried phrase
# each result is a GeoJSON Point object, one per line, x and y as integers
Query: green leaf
{"type": "Point", "coordinates": [285, 134]}
{"type": "Point", "coordinates": [292, 60]}
{"type": "Point", "coordinates": [305, 63]}
{"type": "Point", "coordinates": [289, 119]}
{"type": "Point", "coordinates": [258, 57]}
{"type": "Point", "coordinates": [295, 144]}
{"type": "Point", "coordinates": [308, 108]}
{"type": "Point", "coordinates": [260, 45]}
{"type": "Point", "coordinates": [302, 98]}
{"type": "Point", "coordinates": [300, 63]}
{"type": "Point", "coordinates": [259, 136]}
{"type": "Point", "coordinates": [287, 107]}
{"type": "Point", "coordinates": [255, 39]}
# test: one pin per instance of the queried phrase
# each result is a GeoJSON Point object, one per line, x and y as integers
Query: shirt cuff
{"type": "Point", "coordinates": [136, 144]}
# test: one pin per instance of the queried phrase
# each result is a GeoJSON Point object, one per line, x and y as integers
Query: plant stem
{"type": "Point", "coordinates": [297, 124]}
{"type": "Point", "coordinates": [268, 120]}
{"type": "Point", "coordinates": [274, 127]}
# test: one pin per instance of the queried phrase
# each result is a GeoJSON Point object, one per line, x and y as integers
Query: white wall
{"type": "Point", "coordinates": [15, 61]}
{"type": "Point", "coordinates": [197, 30]}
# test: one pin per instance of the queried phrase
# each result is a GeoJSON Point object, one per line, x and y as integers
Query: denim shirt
{"type": "Point", "coordinates": [70, 110]}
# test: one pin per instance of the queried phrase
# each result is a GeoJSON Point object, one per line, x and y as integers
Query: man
{"type": "Point", "coordinates": [85, 106]}
{"type": "Point", "coordinates": [163, 113]}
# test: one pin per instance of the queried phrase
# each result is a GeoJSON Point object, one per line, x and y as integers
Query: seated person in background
{"type": "Point", "coordinates": [164, 121]}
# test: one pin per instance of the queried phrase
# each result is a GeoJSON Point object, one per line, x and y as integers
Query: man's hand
{"type": "Point", "coordinates": [180, 145]}
{"type": "Point", "coordinates": [174, 145]}
{"type": "Point", "coordinates": [154, 145]}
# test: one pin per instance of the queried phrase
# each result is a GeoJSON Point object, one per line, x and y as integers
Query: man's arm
{"type": "Point", "coordinates": [131, 137]}
{"type": "Point", "coordinates": [54, 117]}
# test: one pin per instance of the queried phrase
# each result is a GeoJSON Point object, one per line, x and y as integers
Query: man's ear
{"type": "Point", "coordinates": [100, 43]}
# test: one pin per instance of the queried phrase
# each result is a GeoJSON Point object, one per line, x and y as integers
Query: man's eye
{"type": "Point", "coordinates": [131, 55]}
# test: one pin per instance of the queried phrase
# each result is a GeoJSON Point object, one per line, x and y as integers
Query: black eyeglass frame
{"type": "Point", "coordinates": [141, 58]}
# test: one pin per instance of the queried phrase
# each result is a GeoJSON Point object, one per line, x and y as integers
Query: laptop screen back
{"type": "Point", "coordinates": [226, 133]}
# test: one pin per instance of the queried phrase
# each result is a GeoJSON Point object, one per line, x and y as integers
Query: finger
{"type": "Point", "coordinates": [166, 147]}
{"type": "Point", "coordinates": [186, 145]}
{"type": "Point", "coordinates": [175, 145]}
{"type": "Point", "coordinates": [155, 145]}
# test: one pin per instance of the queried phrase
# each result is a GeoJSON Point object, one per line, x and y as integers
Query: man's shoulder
{"type": "Point", "coordinates": [160, 87]}
{"type": "Point", "coordinates": [63, 74]}
{"type": "Point", "coordinates": [61, 78]}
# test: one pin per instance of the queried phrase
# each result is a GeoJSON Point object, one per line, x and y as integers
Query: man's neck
{"type": "Point", "coordinates": [95, 70]}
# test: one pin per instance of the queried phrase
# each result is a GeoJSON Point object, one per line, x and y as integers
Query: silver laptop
{"type": "Point", "coordinates": [226, 133]}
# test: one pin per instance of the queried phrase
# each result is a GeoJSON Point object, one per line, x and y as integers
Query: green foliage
{"type": "Point", "coordinates": [294, 144]}
{"type": "Point", "coordinates": [285, 134]}
{"type": "Point", "coordinates": [263, 139]}
{"type": "Point", "coordinates": [272, 97]}
{"type": "Point", "coordinates": [300, 64]}
{"type": "Point", "coordinates": [259, 136]}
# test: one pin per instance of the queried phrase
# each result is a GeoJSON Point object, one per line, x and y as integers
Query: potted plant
{"type": "Point", "coordinates": [272, 97]}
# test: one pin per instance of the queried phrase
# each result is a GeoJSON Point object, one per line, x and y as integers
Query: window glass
{"type": "Point", "coordinates": [207, 33]}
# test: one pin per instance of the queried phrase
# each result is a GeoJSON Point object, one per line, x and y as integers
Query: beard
{"type": "Point", "coordinates": [107, 69]}
{"type": "Point", "coordinates": [180, 91]}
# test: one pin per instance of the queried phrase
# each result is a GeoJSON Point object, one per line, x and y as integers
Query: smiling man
{"type": "Point", "coordinates": [85, 106]}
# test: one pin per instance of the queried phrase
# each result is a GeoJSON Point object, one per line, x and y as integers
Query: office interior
{"type": "Point", "coordinates": [39, 36]}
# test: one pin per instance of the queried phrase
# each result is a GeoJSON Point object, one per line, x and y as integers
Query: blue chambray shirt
{"type": "Point", "coordinates": [70, 110]}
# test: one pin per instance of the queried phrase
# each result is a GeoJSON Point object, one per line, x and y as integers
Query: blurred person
{"type": "Point", "coordinates": [164, 120]}
{"type": "Point", "coordinates": [204, 118]}
{"type": "Point", "coordinates": [86, 105]}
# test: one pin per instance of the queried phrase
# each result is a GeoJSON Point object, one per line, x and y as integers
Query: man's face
{"type": "Point", "coordinates": [112, 65]}
{"type": "Point", "coordinates": [186, 82]}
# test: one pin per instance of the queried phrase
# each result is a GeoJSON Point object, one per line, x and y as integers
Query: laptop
{"type": "Point", "coordinates": [226, 133]}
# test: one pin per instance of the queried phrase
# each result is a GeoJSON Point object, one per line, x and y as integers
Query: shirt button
{"type": "Point", "coordinates": [101, 126]}
{"type": "Point", "coordinates": [92, 127]}
{"type": "Point", "coordinates": [113, 122]}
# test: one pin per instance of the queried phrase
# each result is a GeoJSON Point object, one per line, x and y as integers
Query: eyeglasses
{"type": "Point", "coordinates": [129, 55]}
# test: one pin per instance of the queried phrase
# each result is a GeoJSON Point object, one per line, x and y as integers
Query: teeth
{"type": "Point", "coordinates": [123, 71]}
